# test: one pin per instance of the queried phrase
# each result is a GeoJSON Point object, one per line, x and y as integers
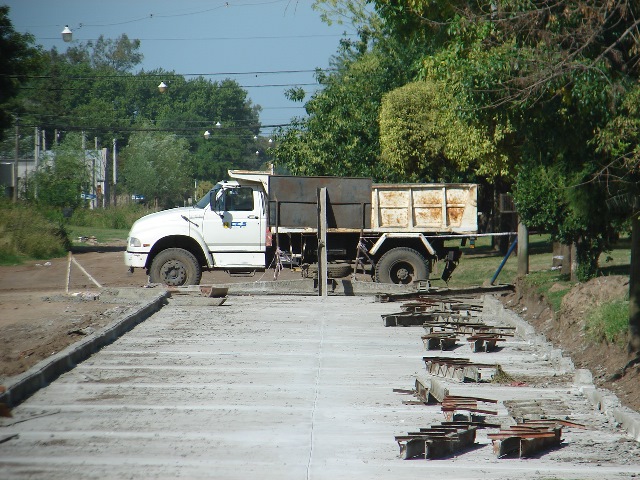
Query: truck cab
{"type": "Point", "coordinates": [226, 229]}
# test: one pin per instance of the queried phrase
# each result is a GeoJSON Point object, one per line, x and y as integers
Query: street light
{"type": "Point", "coordinates": [67, 34]}
{"type": "Point", "coordinates": [207, 134]}
{"type": "Point", "coordinates": [162, 87]}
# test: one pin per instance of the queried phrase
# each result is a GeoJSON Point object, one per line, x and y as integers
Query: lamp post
{"type": "Point", "coordinates": [163, 87]}
{"type": "Point", "coordinates": [67, 34]}
{"type": "Point", "coordinates": [207, 134]}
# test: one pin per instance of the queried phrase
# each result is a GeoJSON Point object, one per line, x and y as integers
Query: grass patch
{"type": "Point", "coordinates": [26, 234]}
{"type": "Point", "coordinates": [478, 265]}
{"type": "Point", "coordinates": [113, 218]}
{"type": "Point", "coordinates": [501, 376]}
{"type": "Point", "coordinates": [609, 321]}
{"type": "Point", "coordinates": [102, 235]}
{"type": "Point", "coordinates": [32, 232]}
{"type": "Point", "coordinates": [550, 284]}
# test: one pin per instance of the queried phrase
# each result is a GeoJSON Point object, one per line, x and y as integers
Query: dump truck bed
{"type": "Point", "coordinates": [425, 207]}
{"type": "Point", "coordinates": [356, 204]}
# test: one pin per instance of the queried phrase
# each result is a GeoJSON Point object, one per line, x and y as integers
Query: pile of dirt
{"type": "Point", "coordinates": [566, 329]}
{"type": "Point", "coordinates": [36, 325]}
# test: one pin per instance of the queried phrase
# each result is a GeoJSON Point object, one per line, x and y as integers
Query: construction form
{"type": "Point", "coordinates": [300, 387]}
{"type": "Point", "coordinates": [530, 429]}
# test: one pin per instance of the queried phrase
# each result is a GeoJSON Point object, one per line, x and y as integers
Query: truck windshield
{"type": "Point", "coordinates": [204, 201]}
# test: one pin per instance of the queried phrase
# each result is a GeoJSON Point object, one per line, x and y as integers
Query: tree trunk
{"type": "Point", "coordinates": [567, 260]}
{"type": "Point", "coordinates": [523, 250]}
{"type": "Point", "coordinates": [574, 262]}
{"type": "Point", "coordinates": [634, 286]}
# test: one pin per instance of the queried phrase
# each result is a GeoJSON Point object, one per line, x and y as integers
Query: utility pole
{"type": "Point", "coordinates": [523, 249]}
{"type": "Point", "coordinates": [15, 163]}
{"type": "Point", "coordinates": [115, 178]}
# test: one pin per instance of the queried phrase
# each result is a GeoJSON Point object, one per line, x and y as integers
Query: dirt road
{"type": "Point", "coordinates": [38, 317]}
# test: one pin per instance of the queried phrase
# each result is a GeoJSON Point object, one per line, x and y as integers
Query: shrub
{"type": "Point", "coordinates": [609, 321]}
{"type": "Point", "coordinates": [27, 233]}
{"type": "Point", "coordinates": [121, 217]}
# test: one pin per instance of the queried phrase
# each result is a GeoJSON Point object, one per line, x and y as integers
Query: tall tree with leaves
{"type": "Point", "coordinates": [559, 71]}
{"type": "Point", "coordinates": [340, 135]}
{"type": "Point", "coordinates": [424, 137]}
{"type": "Point", "coordinates": [61, 180]}
{"type": "Point", "coordinates": [155, 165]}
{"type": "Point", "coordinates": [18, 58]}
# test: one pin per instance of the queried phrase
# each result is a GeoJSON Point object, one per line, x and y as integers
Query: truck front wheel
{"type": "Point", "coordinates": [175, 267]}
{"type": "Point", "coordinates": [401, 265]}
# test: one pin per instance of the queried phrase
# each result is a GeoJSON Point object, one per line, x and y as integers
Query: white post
{"type": "Point", "coordinates": [15, 162]}
{"type": "Point", "coordinates": [36, 151]}
{"type": "Point", "coordinates": [94, 201]}
{"type": "Point", "coordinates": [114, 173]}
{"type": "Point", "coordinates": [322, 242]}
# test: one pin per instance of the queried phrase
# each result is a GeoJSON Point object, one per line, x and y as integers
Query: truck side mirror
{"type": "Point", "coordinates": [217, 202]}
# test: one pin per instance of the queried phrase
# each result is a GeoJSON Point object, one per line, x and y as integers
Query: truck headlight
{"type": "Point", "coordinates": [134, 242]}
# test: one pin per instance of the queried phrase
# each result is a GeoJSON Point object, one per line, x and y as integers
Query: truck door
{"type": "Point", "coordinates": [234, 229]}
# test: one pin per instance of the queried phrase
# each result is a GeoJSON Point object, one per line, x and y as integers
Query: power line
{"type": "Point", "coordinates": [145, 75]}
{"type": "Point", "coordinates": [151, 16]}
{"type": "Point", "coordinates": [217, 39]}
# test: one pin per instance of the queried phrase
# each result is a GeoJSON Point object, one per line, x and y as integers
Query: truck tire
{"type": "Point", "coordinates": [401, 265]}
{"type": "Point", "coordinates": [175, 267]}
{"type": "Point", "coordinates": [334, 270]}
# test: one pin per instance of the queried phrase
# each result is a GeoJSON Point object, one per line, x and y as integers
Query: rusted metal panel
{"type": "Point", "coordinates": [293, 201]}
{"type": "Point", "coordinates": [425, 207]}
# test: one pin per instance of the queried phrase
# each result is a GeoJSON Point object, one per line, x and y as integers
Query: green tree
{"type": "Point", "coordinates": [424, 137]}
{"type": "Point", "coordinates": [90, 88]}
{"type": "Point", "coordinates": [559, 72]}
{"type": "Point", "coordinates": [120, 54]}
{"type": "Point", "coordinates": [61, 180]}
{"type": "Point", "coordinates": [154, 164]}
{"type": "Point", "coordinates": [18, 58]}
{"type": "Point", "coordinates": [340, 135]}
{"type": "Point", "coordinates": [620, 140]}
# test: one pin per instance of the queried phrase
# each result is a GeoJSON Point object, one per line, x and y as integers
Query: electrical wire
{"type": "Point", "coordinates": [169, 75]}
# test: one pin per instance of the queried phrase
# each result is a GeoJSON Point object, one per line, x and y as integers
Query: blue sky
{"type": "Point", "coordinates": [202, 37]}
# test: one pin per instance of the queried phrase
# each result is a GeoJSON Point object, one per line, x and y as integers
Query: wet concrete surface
{"type": "Point", "coordinates": [295, 387]}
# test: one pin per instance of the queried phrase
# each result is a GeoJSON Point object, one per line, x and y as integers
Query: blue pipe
{"type": "Point", "coordinates": [504, 260]}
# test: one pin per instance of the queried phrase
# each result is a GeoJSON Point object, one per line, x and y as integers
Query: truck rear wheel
{"type": "Point", "coordinates": [175, 267]}
{"type": "Point", "coordinates": [401, 265]}
{"type": "Point", "coordinates": [334, 270]}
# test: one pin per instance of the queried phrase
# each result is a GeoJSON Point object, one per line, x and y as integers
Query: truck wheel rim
{"type": "Point", "coordinates": [402, 273]}
{"type": "Point", "coordinates": [173, 273]}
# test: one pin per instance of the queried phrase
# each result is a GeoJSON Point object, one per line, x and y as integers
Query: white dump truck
{"type": "Point", "coordinates": [256, 219]}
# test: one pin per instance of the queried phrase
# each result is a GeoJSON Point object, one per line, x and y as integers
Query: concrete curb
{"type": "Point", "coordinates": [22, 386]}
{"type": "Point", "coordinates": [309, 286]}
{"type": "Point", "coordinates": [602, 399]}
{"type": "Point", "coordinates": [609, 404]}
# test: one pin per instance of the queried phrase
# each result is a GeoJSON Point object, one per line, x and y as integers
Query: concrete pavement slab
{"type": "Point", "coordinates": [284, 387]}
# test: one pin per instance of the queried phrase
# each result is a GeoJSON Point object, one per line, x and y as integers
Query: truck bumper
{"type": "Point", "coordinates": [135, 260]}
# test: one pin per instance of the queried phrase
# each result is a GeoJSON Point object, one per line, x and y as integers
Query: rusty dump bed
{"type": "Point", "coordinates": [425, 207]}
{"type": "Point", "coordinates": [357, 203]}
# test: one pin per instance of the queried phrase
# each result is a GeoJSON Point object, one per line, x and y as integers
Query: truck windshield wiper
{"type": "Point", "coordinates": [189, 220]}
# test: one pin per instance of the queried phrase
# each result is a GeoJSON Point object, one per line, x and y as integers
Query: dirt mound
{"type": "Point", "coordinates": [566, 329]}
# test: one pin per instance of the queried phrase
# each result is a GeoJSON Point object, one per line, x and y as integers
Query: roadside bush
{"type": "Point", "coordinates": [27, 233]}
{"type": "Point", "coordinates": [121, 217]}
{"type": "Point", "coordinates": [609, 321]}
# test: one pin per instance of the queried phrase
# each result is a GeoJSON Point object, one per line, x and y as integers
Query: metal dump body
{"type": "Point", "coordinates": [425, 207]}
{"type": "Point", "coordinates": [355, 203]}
{"type": "Point", "coordinates": [293, 201]}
